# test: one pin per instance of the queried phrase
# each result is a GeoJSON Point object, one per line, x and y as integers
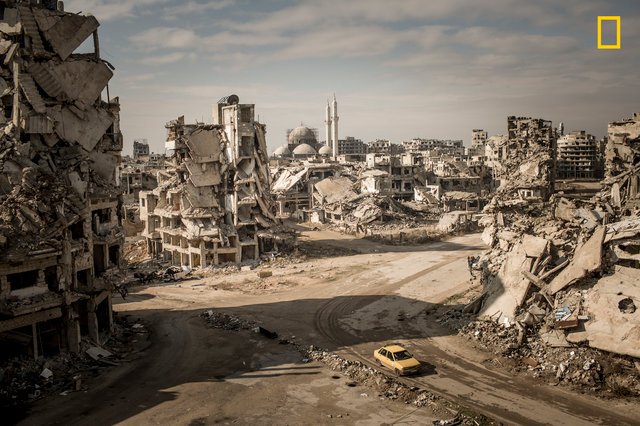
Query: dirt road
{"type": "Point", "coordinates": [192, 374]}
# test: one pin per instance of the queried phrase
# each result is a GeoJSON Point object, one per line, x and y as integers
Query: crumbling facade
{"type": "Point", "coordinates": [60, 225]}
{"type": "Point", "coordinates": [563, 274]}
{"type": "Point", "coordinates": [524, 162]}
{"type": "Point", "coordinates": [140, 148]}
{"type": "Point", "coordinates": [578, 156]}
{"type": "Point", "coordinates": [212, 204]}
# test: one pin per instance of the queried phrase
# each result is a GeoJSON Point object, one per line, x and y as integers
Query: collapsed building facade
{"type": "Point", "coordinates": [565, 273]}
{"type": "Point", "coordinates": [212, 204]}
{"type": "Point", "coordinates": [60, 225]}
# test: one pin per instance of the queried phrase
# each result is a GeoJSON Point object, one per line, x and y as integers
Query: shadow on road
{"type": "Point", "coordinates": [185, 349]}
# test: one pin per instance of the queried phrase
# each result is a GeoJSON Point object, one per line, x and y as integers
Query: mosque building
{"type": "Point", "coordinates": [302, 142]}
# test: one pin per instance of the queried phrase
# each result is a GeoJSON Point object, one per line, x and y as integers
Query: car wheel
{"type": "Point", "coordinates": [395, 370]}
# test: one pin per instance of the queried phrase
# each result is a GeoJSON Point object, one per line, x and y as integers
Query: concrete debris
{"type": "Point", "coordinates": [227, 321]}
{"type": "Point", "coordinates": [586, 259]}
{"type": "Point", "coordinates": [97, 353]}
{"type": "Point", "coordinates": [562, 268]}
{"type": "Point", "coordinates": [60, 226]}
{"type": "Point", "coordinates": [24, 379]}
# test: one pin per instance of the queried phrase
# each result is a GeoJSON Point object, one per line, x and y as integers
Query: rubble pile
{"type": "Point", "coordinates": [227, 321]}
{"type": "Point", "coordinates": [24, 380]}
{"type": "Point", "coordinates": [135, 252]}
{"type": "Point", "coordinates": [562, 277]}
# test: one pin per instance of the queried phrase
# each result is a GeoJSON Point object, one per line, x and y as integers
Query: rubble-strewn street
{"type": "Point", "coordinates": [178, 254]}
{"type": "Point", "coordinates": [347, 305]}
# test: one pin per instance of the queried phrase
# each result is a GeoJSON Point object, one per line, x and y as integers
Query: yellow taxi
{"type": "Point", "coordinates": [397, 359]}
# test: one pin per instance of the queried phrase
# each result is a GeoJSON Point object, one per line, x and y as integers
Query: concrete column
{"type": "Point", "coordinates": [73, 334]}
{"type": "Point", "coordinates": [108, 300]}
{"type": "Point", "coordinates": [5, 287]}
{"type": "Point", "coordinates": [34, 333]}
{"type": "Point", "coordinates": [92, 324]}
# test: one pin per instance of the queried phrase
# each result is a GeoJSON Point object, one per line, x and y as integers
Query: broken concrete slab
{"type": "Point", "coordinates": [507, 290]}
{"type": "Point", "coordinates": [586, 259]}
{"type": "Point", "coordinates": [534, 246]}
{"type": "Point", "coordinates": [626, 228]}
{"type": "Point", "coordinates": [80, 79]}
{"type": "Point", "coordinates": [72, 128]}
{"type": "Point", "coordinates": [613, 326]}
{"type": "Point", "coordinates": [10, 30]}
{"type": "Point", "coordinates": [69, 31]}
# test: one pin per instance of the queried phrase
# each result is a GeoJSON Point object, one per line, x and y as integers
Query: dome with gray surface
{"type": "Point", "coordinates": [302, 135]}
{"type": "Point", "coordinates": [304, 150]}
{"type": "Point", "coordinates": [325, 150]}
{"type": "Point", "coordinates": [282, 151]}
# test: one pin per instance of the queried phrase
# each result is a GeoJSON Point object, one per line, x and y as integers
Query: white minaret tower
{"type": "Point", "coordinates": [327, 123]}
{"type": "Point", "coordinates": [334, 127]}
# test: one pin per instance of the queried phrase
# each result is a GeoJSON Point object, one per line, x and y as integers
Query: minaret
{"type": "Point", "coordinates": [334, 128]}
{"type": "Point", "coordinates": [327, 122]}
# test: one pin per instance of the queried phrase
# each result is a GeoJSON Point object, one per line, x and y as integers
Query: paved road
{"type": "Point", "coordinates": [351, 313]}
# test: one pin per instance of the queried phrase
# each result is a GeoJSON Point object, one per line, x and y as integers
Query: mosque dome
{"type": "Point", "coordinates": [304, 149]}
{"type": "Point", "coordinates": [282, 151]}
{"type": "Point", "coordinates": [302, 135]}
{"type": "Point", "coordinates": [325, 150]}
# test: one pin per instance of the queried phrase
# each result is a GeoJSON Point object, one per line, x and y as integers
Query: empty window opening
{"type": "Point", "coordinates": [23, 279]}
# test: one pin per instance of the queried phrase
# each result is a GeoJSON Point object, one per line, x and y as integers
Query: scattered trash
{"type": "Point", "coordinates": [46, 374]}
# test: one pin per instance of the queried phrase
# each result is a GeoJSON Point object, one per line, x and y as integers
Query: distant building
{"type": "Point", "coordinates": [140, 148]}
{"type": "Point", "coordinates": [419, 144]}
{"type": "Point", "coordinates": [351, 145]}
{"type": "Point", "coordinates": [577, 156]}
{"type": "Point", "coordinates": [383, 146]}
{"type": "Point", "coordinates": [478, 138]}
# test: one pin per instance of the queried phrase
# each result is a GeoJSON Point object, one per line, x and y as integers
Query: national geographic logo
{"type": "Point", "coordinates": [616, 21]}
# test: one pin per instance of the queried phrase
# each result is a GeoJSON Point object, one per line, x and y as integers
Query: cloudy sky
{"type": "Point", "coordinates": [400, 68]}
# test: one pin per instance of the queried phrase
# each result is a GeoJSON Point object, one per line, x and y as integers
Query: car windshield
{"type": "Point", "coordinates": [402, 355]}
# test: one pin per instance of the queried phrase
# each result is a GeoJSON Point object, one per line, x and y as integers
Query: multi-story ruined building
{"type": "Point", "coordinates": [622, 162]}
{"type": "Point", "coordinates": [293, 187]}
{"type": "Point", "coordinates": [60, 225]}
{"type": "Point", "coordinates": [213, 201]}
{"type": "Point", "coordinates": [449, 146]}
{"type": "Point", "coordinates": [623, 145]}
{"type": "Point", "coordinates": [383, 146]}
{"type": "Point", "coordinates": [577, 156]}
{"type": "Point", "coordinates": [401, 171]}
{"type": "Point", "coordinates": [352, 146]}
{"type": "Point", "coordinates": [140, 148]}
{"type": "Point", "coordinates": [528, 163]}
{"type": "Point", "coordinates": [478, 141]}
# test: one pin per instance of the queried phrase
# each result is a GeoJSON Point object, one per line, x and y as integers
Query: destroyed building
{"type": "Point", "coordinates": [478, 142]}
{"type": "Point", "coordinates": [293, 188]}
{"type": "Point", "coordinates": [578, 156]}
{"type": "Point", "coordinates": [60, 224]}
{"type": "Point", "coordinates": [140, 148]}
{"type": "Point", "coordinates": [212, 204]}
{"type": "Point", "coordinates": [564, 273]}
{"type": "Point", "coordinates": [525, 161]}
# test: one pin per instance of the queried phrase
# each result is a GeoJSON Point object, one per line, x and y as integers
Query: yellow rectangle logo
{"type": "Point", "coordinates": [615, 19]}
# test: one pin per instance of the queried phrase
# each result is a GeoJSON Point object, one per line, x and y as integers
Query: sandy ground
{"type": "Point", "coordinates": [193, 374]}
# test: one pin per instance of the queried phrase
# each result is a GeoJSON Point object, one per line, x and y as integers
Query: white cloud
{"type": "Point", "coordinates": [163, 59]}
{"type": "Point", "coordinates": [108, 10]}
{"type": "Point", "coordinates": [164, 38]}
{"type": "Point", "coordinates": [194, 7]}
